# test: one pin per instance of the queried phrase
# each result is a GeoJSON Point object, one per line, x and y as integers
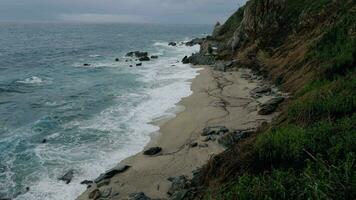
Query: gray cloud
{"type": "Point", "coordinates": [132, 11]}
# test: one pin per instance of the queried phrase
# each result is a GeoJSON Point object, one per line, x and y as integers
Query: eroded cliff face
{"type": "Point", "coordinates": [261, 18]}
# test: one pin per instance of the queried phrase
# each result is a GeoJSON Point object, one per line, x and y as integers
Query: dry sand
{"type": "Point", "coordinates": [219, 98]}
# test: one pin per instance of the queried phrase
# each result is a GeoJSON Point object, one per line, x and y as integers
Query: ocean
{"type": "Point", "coordinates": [90, 116]}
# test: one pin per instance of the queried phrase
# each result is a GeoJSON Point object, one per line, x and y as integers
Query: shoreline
{"type": "Point", "coordinates": [217, 99]}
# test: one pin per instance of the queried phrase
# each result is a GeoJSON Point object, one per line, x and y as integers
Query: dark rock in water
{"type": "Point", "coordinates": [196, 41]}
{"type": "Point", "coordinates": [112, 172]}
{"type": "Point", "coordinates": [5, 198]}
{"type": "Point", "coordinates": [261, 90]}
{"type": "Point", "coordinates": [139, 64]}
{"type": "Point", "coordinates": [86, 64]}
{"type": "Point", "coordinates": [185, 60]}
{"type": "Point", "coordinates": [229, 139]}
{"type": "Point", "coordinates": [154, 57]}
{"type": "Point", "coordinates": [117, 60]}
{"type": "Point", "coordinates": [214, 130]}
{"type": "Point", "coordinates": [144, 58]}
{"type": "Point", "coordinates": [270, 106]}
{"type": "Point", "coordinates": [172, 44]}
{"type": "Point", "coordinates": [86, 182]}
{"type": "Point", "coordinates": [44, 141]}
{"type": "Point", "coordinates": [138, 54]}
{"type": "Point", "coordinates": [138, 196]}
{"type": "Point", "coordinates": [95, 194]}
{"type": "Point", "coordinates": [67, 177]}
{"type": "Point", "coordinates": [152, 151]}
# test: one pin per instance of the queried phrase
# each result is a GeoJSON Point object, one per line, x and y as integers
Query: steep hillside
{"type": "Point", "coordinates": [308, 48]}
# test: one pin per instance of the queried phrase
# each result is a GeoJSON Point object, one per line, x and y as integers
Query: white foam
{"type": "Point", "coordinates": [34, 80]}
{"type": "Point", "coordinates": [118, 136]}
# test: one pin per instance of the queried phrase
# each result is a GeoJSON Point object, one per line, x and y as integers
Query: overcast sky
{"type": "Point", "coordinates": [121, 11]}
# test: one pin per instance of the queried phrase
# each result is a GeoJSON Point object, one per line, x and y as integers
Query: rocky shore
{"type": "Point", "coordinates": [229, 102]}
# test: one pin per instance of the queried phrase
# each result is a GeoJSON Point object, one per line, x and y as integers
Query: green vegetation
{"type": "Point", "coordinates": [312, 154]}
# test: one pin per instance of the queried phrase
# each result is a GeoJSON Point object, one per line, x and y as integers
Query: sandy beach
{"type": "Point", "coordinates": [219, 98]}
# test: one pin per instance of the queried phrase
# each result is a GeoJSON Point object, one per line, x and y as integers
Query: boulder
{"type": "Point", "coordinates": [103, 183]}
{"type": "Point", "coordinates": [178, 183]}
{"type": "Point", "coordinates": [196, 41]}
{"type": "Point", "coordinates": [112, 172]}
{"type": "Point", "coordinates": [229, 139]}
{"type": "Point", "coordinates": [117, 60]}
{"type": "Point", "coordinates": [193, 144]}
{"type": "Point", "coordinates": [106, 193]}
{"type": "Point", "coordinates": [214, 130]}
{"type": "Point", "coordinates": [86, 64]}
{"type": "Point", "coordinates": [137, 54]}
{"type": "Point", "coordinates": [95, 194]}
{"type": "Point", "coordinates": [154, 57]}
{"type": "Point", "coordinates": [67, 177]}
{"type": "Point", "coordinates": [44, 141]}
{"type": "Point", "coordinates": [172, 44]}
{"type": "Point", "coordinates": [185, 60]}
{"type": "Point", "coordinates": [86, 182]}
{"type": "Point", "coordinates": [138, 196]}
{"type": "Point", "coordinates": [270, 106]}
{"type": "Point", "coordinates": [199, 59]}
{"type": "Point", "coordinates": [152, 151]}
{"type": "Point", "coordinates": [139, 64]}
{"type": "Point", "coordinates": [144, 58]}
{"type": "Point", "coordinates": [261, 90]}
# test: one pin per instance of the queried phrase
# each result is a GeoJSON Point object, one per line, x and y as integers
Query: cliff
{"type": "Point", "coordinates": [308, 49]}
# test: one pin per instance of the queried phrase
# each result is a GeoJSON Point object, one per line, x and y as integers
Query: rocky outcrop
{"type": "Point", "coordinates": [270, 106]}
{"type": "Point", "coordinates": [112, 172]}
{"type": "Point", "coordinates": [67, 177]}
{"type": "Point", "coordinates": [152, 151]}
{"type": "Point", "coordinates": [261, 18]}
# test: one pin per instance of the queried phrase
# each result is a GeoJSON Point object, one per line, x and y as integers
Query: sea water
{"type": "Point", "coordinates": [90, 116]}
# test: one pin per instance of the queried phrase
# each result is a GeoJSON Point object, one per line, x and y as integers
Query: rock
{"type": "Point", "coordinates": [229, 139]}
{"type": "Point", "coordinates": [112, 172]}
{"type": "Point", "coordinates": [185, 60]}
{"type": "Point", "coordinates": [270, 106]}
{"type": "Point", "coordinates": [106, 193]}
{"type": "Point", "coordinates": [246, 76]}
{"type": "Point", "coordinates": [137, 54]}
{"type": "Point", "coordinates": [196, 41]}
{"type": "Point", "coordinates": [44, 141]}
{"type": "Point", "coordinates": [139, 64]}
{"type": "Point", "coordinates": [117, 60]}
{"type": "Point", "coordinates": [95, 194]}
{"type": "Point", "coordinates": [103, 183]}
{"type": "Point", "coordinates": [204, 145]}
{"type": "Point", "coordinates": [261, 90]}
{"type": "Point", "coordinates": [179, 195]}
{"type": "Point", "coordinates": [199, 59]}
{"type": "Point", "coordinates": [154, 57]}
{"type": "Point", "coordinates": [193, 144]}
{"type": "Point", "coordinates": [86, 64]}
{"type": "Point", "coordinates": [86, 182]}
{"type": "Point", "coordinates": [214, 130]}
{"type": "Point", "coordinates": [152, 151]}
{"type": "Point", "coordinates": [178, 183]}
{"type": "Point", "coordinates": [144, 58]}
{"type": "Point", "coordinates": [172, 44]}
{"type": "Point", "coordinates": [138, 196]}
{"type": "Point", "coordinates": [131, 66]}
{"type": "Point", "coordinates": [67, 177]}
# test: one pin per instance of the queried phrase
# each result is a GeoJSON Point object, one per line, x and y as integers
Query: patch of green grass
{"type": "Point", "coordinates": [329, 101]}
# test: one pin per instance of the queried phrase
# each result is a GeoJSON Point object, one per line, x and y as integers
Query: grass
{"type": "Point", "coordinates": [312, 154]}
